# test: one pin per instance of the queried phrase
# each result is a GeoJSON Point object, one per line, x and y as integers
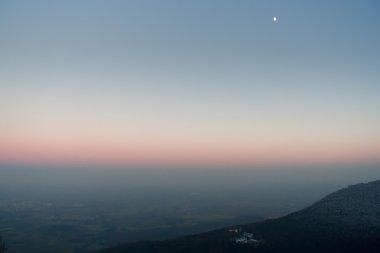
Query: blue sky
{"type": "Point", "coordinates": [193, 80]}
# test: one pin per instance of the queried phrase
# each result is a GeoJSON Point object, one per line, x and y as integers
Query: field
{"type": "Point", "coordinates": [80, 224]}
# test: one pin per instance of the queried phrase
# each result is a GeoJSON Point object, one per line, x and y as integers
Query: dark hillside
{"type": "Point", "coordinates": [345, 221]}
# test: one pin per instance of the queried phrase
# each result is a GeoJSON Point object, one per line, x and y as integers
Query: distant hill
{"type": "Point", "coordinates": [345, 221]}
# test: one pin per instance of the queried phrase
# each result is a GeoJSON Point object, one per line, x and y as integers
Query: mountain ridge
{"type": "Point", "coordinates": [347, 220]}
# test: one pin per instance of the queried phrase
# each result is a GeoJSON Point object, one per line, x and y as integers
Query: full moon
{"type": "Point", "coordinates": [274, 19]}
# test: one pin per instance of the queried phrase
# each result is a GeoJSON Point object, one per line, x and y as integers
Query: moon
{"type": "Point", "coordinates": [274, 19]}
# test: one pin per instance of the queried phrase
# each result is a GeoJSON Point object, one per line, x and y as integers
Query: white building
{"type": "Point", "coordinates": [246, 238]}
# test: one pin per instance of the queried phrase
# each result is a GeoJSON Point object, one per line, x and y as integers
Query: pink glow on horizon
{"type": "Point", "coordinates": [134, 153]}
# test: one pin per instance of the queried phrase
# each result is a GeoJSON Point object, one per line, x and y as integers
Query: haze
{"type": "Point", "coordinates": [133, 120]}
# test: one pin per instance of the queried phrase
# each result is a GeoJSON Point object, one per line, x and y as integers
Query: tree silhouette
{"type": "Point", "coordinates": [3, 248]}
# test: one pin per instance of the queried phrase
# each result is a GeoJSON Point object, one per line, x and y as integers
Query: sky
{"type": "Point", "coordinates": [189, 82]}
